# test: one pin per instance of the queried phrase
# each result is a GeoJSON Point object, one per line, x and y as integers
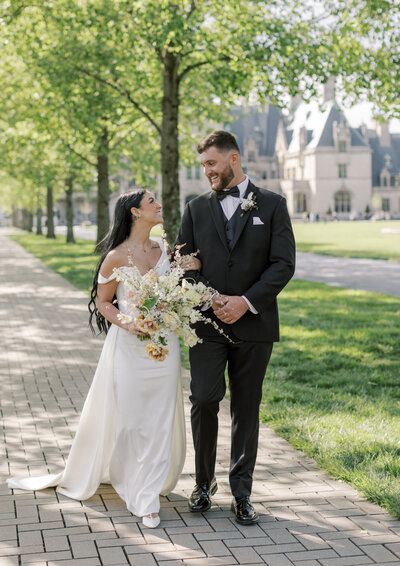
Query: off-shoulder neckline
{"type": "Point", "coordinates": [129, 266]}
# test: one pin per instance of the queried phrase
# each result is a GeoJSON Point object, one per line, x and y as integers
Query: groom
{"type": "Point", "coordinates": [247, 252]}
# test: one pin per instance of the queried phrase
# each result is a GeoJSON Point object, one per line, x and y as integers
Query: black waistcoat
{"type": "Point", "coordinates": [230, 227]}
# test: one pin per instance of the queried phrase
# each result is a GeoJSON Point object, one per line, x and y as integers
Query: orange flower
{"type": "Point", "coordinates": [157, 352]}
{"type": "Point", "coordinates": [146, 325]}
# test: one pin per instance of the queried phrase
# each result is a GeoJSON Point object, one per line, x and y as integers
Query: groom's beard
{"type": "Point", "coordinates": [223, 179]}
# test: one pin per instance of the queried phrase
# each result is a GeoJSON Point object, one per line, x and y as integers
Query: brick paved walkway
{"type": "Point", "coordinates": [47, 360]}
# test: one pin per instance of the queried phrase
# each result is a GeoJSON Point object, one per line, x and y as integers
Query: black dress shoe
{"type": "Point", "coordinates": [245, 514]}
{"type": "Point", "coordinates": [200, 500]}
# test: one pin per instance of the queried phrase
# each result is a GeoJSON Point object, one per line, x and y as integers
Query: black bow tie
{"type": "Point", "coordinates": [233, 192]}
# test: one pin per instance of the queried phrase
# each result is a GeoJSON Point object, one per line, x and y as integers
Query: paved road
{"type": "Point", "coordinates": [378, 276]}
{"type": "Point", "coordinates": [47, 362]}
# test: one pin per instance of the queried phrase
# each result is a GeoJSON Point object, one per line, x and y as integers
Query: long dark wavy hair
{"type": "Point", "coordinates": [120, 231]}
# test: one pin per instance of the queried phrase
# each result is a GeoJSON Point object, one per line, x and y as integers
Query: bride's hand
{"type": "Point", "coordinates": [190, 263]}
{"type": "Point", "coordinates": [131, 328]}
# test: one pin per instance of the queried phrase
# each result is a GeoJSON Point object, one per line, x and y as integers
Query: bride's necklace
{"type": "Point", "coordinates": [138, 246]}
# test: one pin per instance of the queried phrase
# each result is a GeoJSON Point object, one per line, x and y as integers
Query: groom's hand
{"type": "Point", "coordinates": [232, 309]}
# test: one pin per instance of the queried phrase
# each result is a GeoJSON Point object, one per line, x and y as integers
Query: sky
{"type": "Point", "coordinates": [362, 113]}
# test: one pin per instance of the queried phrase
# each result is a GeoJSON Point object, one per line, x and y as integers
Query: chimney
{"type": "Point", "coordinates": [382, 129]}
{"type": "Point", "coordinates": [329, 90]}
{"type": "Point", "coordinates": [294, 103]}
{"type": "Point", "coordinates": [364, 132]}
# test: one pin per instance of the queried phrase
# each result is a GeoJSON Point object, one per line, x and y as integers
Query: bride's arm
{"type": "Point", "coordinates": [106, 292]}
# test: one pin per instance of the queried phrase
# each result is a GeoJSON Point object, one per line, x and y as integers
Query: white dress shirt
{"type": "Point", "coordinates": [229, 205]}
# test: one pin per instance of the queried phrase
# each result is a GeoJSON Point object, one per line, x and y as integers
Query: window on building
{"type": "Point", "coordinates": [301, 202]}
{"type": "Point", "coordinates": [251, 157]}
{"type": "Point", "coordinates": [197, 172]}
{"type": "Point", "coordinates": [342, 170]}
{"type": "Point", "coordinates": [188, 172]}
{"type": "Point", "coordinates": [264, 175]}
{"type": "Point", "coordinates": [342, 146]}
{"type": "Point", "coordinates": [342, 201]}
{"type": "Point", "coordinates": [386, 205]}
{"type": "Point", "coordinates": [385, 181]}
{"type": "Point", "coordinates": [392, 180]}
{"type": "Point", "coordinates": [272, 174]}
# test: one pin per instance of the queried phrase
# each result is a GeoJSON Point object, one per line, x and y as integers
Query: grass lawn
{"type": "Point", "coordinates": [333, 385]}
{"type": "Point", "coordinates": [350, 239]}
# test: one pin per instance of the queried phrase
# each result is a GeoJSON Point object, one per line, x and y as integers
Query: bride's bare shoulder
{"type": "Point", "coordinates": [114, 258]}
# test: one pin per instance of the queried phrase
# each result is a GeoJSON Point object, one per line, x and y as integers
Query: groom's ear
{"type": "Point", "coordinates": [234, 158]}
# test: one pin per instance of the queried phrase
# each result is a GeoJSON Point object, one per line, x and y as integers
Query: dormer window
{"type": "Point", "coordinates": [342, 146]}
{"type": "Point", "coordinates": [251, 157]}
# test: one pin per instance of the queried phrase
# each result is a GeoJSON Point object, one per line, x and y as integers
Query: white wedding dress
{"type": "Point", "coordinates": [132, 429]}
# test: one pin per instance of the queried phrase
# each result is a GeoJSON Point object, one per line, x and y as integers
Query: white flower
{"type": "Point", "coordinates": [191, 339]}
{"type": "Point", "coordinates": [248, 203]}
{"type": "Point", "coordinates": [124, 318]}
{"type": "Point", "coordinates": [171, 320]}
{"type": "Point", "coordinates": [195, 316]}
{"type": "Point", "coordinates": [161, 305]}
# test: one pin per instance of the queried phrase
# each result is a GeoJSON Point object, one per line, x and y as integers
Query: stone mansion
{"type": "Point", "coordinates": [316, 160]}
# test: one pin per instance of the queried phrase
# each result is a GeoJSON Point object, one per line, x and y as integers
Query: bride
{"type": "Point", "coordinates": [131, 432]}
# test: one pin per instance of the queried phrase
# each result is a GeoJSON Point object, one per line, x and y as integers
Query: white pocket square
{"type": "Point", "coordinates": [257, 221]}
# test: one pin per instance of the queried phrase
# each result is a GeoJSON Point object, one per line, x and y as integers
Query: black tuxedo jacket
{"type": "Point", "coordinates": [259, 265]}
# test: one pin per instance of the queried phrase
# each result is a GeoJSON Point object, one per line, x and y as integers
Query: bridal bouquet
{"type": "Point", "coordinates": [160, 304]}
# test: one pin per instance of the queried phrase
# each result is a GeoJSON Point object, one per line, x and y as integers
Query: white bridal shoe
{"type": "Point", "coordinates": [151, 521]}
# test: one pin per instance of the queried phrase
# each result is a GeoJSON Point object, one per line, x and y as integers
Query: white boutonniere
{"type": "Point", "coordinates": [248, 203]}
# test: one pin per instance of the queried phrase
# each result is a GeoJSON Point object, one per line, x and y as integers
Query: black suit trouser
{"type": "Point", "coordinates": [247, 363]}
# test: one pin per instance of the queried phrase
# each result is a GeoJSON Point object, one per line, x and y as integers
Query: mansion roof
{"type": "Point", "coordinates": [263, 126]}
{"type": "Point", "coordinates": [384, 156]}
{"type": "Point", "coordinates": [312, 126]}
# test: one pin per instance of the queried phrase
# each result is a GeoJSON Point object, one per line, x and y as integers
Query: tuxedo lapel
{"type": "Point", "coordinates": [243, 215]}
{"type": "Point", "coordinates": [218, 217]}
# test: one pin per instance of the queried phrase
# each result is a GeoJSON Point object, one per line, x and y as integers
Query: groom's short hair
{"type": "Point", "coordinates": [223, 141]}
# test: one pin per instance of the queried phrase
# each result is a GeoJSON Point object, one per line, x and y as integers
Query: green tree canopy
{"type": "Point", "coordinates": [178, 65]}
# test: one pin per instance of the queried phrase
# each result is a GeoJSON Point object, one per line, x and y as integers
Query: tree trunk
{"type": "Point", "coordinates": [69, 210]}
{"type": "Point", "coordinates": [30, 221]}
{"type": "Point", "coordinates": [103, 189]}
{"type": "Point", "coordinates": [50, 213]}
{"type": "Point", "coordinates": [14, 216]}
{"type": "Point", "coordinates": [39, 230]}
{"type": "Point", "coordinates": [25, 219]}
{"type": "Point", "coordinates": [170, 147]}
